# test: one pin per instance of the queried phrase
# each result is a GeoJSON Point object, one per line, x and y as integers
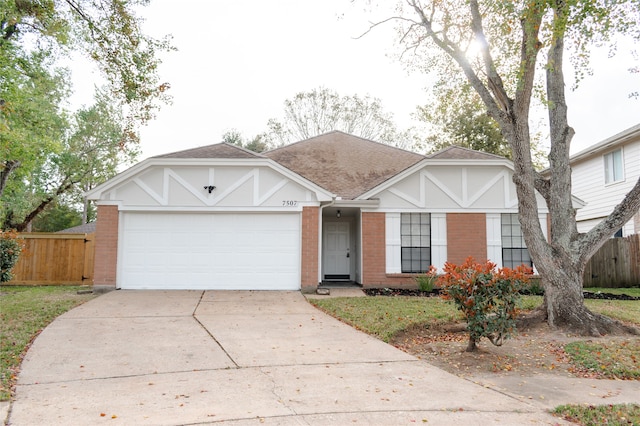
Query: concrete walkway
{"type": "Point", "coordinates": [193, 357]}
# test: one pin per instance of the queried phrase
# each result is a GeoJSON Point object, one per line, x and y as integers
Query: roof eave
{"type": "Point", "coordinates": [611, 142]}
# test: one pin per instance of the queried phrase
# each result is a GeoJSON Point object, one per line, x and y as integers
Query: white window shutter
{"type": "Point", "coordinates": [494, 238]}
{"type": "Point", "coordinates": [438, 240]}
{"type": "Point", "coordinates": [392, 237]}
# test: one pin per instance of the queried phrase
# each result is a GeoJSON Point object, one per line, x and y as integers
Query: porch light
{"type": "Point", "coordinates": [338, 214]}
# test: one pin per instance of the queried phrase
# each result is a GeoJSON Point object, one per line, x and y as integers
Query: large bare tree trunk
{"type": "Point", "coordinates": [564, 304]}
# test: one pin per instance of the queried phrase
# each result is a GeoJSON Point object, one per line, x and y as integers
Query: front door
{"type": "Point", "coordinates": [337, 256]}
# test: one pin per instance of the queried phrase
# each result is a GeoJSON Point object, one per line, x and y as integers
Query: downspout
{"type": "Point", "coordinates": [322, 207]}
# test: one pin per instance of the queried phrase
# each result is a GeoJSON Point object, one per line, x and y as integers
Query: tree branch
{"type": "Point", "coordinates": [8, 168]}
{"type": "Point", "coordinates": [543, 186]}
{"type": "Point", "coordinates": [587, 244]}
{"type": "Point", "coordinates": [458, 55]}
{"type": "Point", "coordinates": [493, 78]}
{"type": "Point", "coordinates": [20, 227]}
{"type": "Point", "coordinates": [563, 225]}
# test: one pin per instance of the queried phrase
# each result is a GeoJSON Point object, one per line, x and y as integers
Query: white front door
{"type": "Point", "coordinates": [337, 256]}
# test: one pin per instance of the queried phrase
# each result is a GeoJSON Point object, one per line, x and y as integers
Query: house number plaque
{"type": "Point", "coordinates": [289, 203]}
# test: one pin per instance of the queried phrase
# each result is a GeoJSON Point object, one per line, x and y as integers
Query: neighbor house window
{"type": "Point", "coordinates": [415, 236]}
{"type": "Point", "coordinates": [514, 250]}
{"type": "Point", "coordinates": [613, 166]}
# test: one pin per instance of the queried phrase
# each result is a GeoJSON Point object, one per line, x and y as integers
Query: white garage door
{"type": "Point", "coordinates": [210, 251]}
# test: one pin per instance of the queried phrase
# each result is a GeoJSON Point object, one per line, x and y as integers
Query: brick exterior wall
{"type": "Point", "coordinates": [466, 236]}
{"type": "Point", "coordinates": [310, 240]}
{"type": "Point", "coordinates": [106, 256]}
{"type": "Point", "coordinates": [374, 256]}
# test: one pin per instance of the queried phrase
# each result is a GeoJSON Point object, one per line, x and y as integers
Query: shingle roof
{"type": "Point", "coordinates": [87, 228]}
{"type": "Point", "coordinates": [455, 152]}
{"type": "Point", "coordinates": [344, 164]}
{"type": "Point", "coordinates": [219, 150]}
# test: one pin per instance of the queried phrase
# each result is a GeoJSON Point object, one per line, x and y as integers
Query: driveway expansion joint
{"type": "Point", "coordinates": [222, 348]}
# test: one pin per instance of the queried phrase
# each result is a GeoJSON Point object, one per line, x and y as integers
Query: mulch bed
{"type": "Point", "coordinates": [436, 292]}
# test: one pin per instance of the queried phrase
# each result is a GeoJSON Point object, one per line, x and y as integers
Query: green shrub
{"type": "Point", "coordinates": [10, 248]}
{"type": "Point", "coordinates": [486, 296]}
{"type": "Point", "coordinates": [427, 281]}
{"type": "Point", "coordinates": [533, 287]}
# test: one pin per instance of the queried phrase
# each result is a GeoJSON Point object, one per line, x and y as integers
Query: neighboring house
{"type": "Point", "coordinates": [87, 228]}
{"type": "Point", "coordinates": [331, 208]}
{"type": "Point", "coordinates": [602, 175]}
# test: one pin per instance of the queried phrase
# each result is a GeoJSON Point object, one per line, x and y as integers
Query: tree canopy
{"type": "Point", "coordinates": [322, 110]}
{"type": "Point", "coordinates": [44, 146]}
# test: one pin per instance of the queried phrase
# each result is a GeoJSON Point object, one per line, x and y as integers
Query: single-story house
{"type": "Point", "coordinates": [85, 228]}
{"type": "Point", "coordinates": [335, 207]}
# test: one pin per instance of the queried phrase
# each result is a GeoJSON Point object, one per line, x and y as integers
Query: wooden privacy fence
{"type": "Point", "coordinates": [616, 264]}
{"type": "Point", "coordinates": [55, 259]}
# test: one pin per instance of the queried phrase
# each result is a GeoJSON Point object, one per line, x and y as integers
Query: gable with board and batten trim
{"type": "Point", "coordinates": [452, 187]}
{"type": "Point", "coordinates": [169, 186]}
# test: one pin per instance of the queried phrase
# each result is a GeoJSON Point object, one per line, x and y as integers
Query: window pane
{"type": "Point", "coordinates": [415, 239]}
{"type": "Point", "coordinates": [514, 248]}
{"type": "Point", "coordinates": [613, 167]}
{"type": "Point", "coordinates": [617, 165]}
{"type": "Point", "coordinates": [406, 265]}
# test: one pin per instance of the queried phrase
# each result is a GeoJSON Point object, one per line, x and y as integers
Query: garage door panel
{"type": "Point", "coordinates": [210, 251]}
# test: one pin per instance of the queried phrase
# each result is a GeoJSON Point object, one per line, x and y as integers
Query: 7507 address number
{"type": "Point", "coordinates": [289, 203]}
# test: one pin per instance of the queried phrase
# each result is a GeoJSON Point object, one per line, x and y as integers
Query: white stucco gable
{"type": "Point", "coordinates": [209, 184]}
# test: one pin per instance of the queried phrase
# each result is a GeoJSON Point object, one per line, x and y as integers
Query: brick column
{"type": "Point", "coordinates": [466, 236]}
{"type": "Point", "coordinates": [310, 240]}
{"type": "Point", "coordinates": [373, 249]}
{"type": "Point", "coordinates": [106, 246]}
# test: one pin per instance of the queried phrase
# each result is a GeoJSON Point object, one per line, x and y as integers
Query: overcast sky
{"type": "Point", "coordinates": [238, 60]}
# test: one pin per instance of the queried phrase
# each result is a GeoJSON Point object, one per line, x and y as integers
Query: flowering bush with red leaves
{"type": "Point", "coordinates": [487, 297]}
{"type": "Point", "coordinates": [10, 248]}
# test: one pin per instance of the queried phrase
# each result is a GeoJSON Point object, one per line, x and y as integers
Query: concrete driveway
{"type": "Point", "coordinates": [193, 357]}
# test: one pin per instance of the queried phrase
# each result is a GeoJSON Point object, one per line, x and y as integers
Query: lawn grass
{"type": "Point", "coordinates": [383, 316]}
{"type": "Point", "coordinates": [619, 361]}
{"type": "Point", "coordinates": [590, 415]}
{"type": "Point", "coordinates": [633, 291]}
{"type": "Point", "coordinates": [24, 312]}
{"type": "Point", "coordinates": [622, 310]}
